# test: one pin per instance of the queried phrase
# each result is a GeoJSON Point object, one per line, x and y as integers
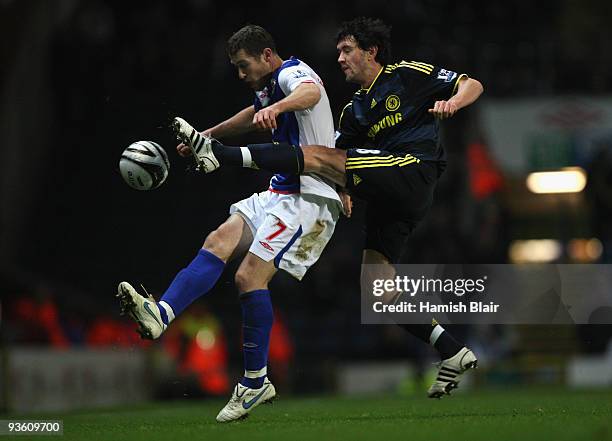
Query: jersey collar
{"type": "Point", "coordinates": [292, 61]}
{"type": "Point", "coordinates": [366, 91]}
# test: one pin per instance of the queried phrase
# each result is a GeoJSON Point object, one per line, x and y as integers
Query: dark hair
{"type": "Point", "coordinates": [252, 38]}
{"type": "Point", "coordinates": [368, 32]}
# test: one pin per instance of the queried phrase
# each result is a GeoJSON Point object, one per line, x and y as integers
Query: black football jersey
{"type": "Point", "coordinates": [392, 114]}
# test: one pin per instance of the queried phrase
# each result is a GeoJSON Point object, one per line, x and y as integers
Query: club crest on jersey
{"type": "Point", "coordinates": [446, 75]}
{"type": "Point", "coordinates": [392, 103]}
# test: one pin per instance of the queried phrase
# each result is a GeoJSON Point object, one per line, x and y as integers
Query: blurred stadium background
{"type": "Point", "coordinates": [83, 79]}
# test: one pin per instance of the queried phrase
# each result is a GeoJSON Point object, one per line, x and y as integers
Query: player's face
{"type": "Point", "coordinates": [253, 70]}
{"type": "Point", "coordinates": [352, 60]}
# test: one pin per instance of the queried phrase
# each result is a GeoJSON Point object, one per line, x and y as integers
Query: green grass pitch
{"type": "Point", "coordinates": [525, 414]}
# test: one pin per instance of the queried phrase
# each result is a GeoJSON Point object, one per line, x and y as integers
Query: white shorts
{"type": "Point", "coordinates": [292, 229]}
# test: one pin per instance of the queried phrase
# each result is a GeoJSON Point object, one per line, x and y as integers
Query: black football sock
{"type": "Point", "coordinates": [227, 155]}
{"type": "Point", "coordinates": [277, 158]}
{"type": "Point", "coordinates": [435, 335]}
{"type": "Point", "coordinates": [446, 345]}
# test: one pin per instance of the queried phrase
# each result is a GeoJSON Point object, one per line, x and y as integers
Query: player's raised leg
{"type": "Point", "coordinates": [254, 388]}
{"type": "Point", "coordinates": [232, 238]}
{"type": "Point", "coordinates": [210, 154]}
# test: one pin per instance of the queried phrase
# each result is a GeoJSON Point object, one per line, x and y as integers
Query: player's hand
{"type": "Point", "coordinates": [347, 203]}
{"type": "Point", "coordinates": [183, 150]}
{"type": "Point", "coordinates": [266, 118]}
{"type": "Point", "coordinates": [443, 109]}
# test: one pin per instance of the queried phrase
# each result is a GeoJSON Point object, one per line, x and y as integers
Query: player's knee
{"type": "Point", "coordinates": [216, 244]}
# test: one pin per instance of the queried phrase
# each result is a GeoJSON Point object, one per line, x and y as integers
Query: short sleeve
{"type": "Point", "coordinates": [291, 77]}
{"type": "Point", "coordinates": [445, 82]}
{"type": "Point", "coordinates": [442, 83]}
{"type": "Point", "coordinates": [429, 80]}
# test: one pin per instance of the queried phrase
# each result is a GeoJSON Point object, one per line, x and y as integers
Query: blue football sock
{"type": "Point", "coordinates": [257, 318]}
{"type": "Point", "coordinates": [192, 282]}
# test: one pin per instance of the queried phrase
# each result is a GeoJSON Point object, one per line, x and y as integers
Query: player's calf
{"type": "Point", "coordinates": [274, 157]}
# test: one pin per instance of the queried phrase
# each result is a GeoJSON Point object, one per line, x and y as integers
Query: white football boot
{"type": "Point", "coordinates": [450, 372]}
{"type": "Point", "coordinates": [244, 399]}
{"type": "Point", "coordinates": [142, 309]}
{"type": "Point", "coordinates": [200, 145]}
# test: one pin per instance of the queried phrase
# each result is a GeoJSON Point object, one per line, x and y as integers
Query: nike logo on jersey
{"type": "Point", "coordinates": [248, 404]}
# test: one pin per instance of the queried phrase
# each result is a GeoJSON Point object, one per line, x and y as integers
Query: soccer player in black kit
{"type": "Point", "coordinates": [388, 153]}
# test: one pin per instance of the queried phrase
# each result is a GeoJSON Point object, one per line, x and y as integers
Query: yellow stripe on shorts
{"type": "Point", "coordinates": [377, 159]}
{"type": "Point", "coordinates": [371, 158]}
{"type": "Point", "coordinates": [401, 162]}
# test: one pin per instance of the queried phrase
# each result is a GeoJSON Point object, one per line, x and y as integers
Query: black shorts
{"type": "Point", "coordinates": [399, 190]}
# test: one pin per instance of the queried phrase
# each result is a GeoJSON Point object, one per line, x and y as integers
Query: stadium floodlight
{"type": "Point", "coordinates": [566, 180]}
{"type": "Point", "coordinates": [535, 251]}
{"type": "Point", "coordinates": [585, 250]}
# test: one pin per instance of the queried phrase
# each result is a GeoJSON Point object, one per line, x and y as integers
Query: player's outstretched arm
{"type": "Point", "coordinates": [303, 97]}
{"type": "Point", "coordinates": [241, 122]}
{"type": "Point", "coordinates": [468, 91]}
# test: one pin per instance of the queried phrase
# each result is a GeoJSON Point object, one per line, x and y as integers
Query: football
{"type": "Point", "coordinates": [144, 165]}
